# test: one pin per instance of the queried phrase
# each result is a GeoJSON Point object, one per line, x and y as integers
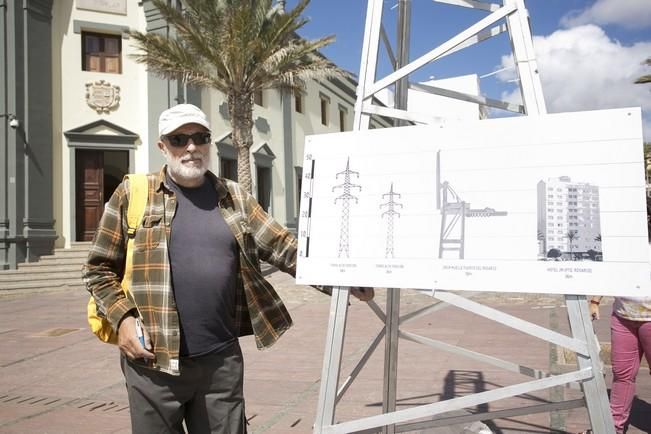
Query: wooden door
{"type": "Point", "coordinates": [90, 192]}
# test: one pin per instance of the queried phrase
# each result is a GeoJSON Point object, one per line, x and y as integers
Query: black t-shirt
{"type": "Point", "coordinates": [204, 261]}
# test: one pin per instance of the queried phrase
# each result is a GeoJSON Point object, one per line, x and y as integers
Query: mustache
{"type": "Point", "coordinates": [193, 156]}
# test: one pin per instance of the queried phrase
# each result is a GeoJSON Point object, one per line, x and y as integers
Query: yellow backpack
{"type": "Point", "coordinates": [138, 192]}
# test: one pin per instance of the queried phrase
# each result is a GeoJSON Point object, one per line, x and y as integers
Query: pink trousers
{"type": "Point", "coordinates": [629, 340]}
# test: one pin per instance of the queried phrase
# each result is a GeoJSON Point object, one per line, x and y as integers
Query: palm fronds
{"type": "Point", "coordinates": [237, 47]}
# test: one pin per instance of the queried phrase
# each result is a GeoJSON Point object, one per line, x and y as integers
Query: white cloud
{"type": "Point", "coordinates": [632, 14]}
{"type": "Point", "coordinates": [583, 69]}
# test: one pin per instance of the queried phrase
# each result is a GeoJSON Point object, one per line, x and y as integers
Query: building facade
{"type": "Point", "coordinates": [78, 114]}
{"type": "Point", "coordinates": [569, 219]}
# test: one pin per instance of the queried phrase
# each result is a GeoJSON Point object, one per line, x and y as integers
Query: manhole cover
{"type": "Point", "coordinates": [55, 332]}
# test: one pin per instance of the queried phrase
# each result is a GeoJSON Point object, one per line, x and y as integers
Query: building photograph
{"type": "Point", "coordinates": [569, 226]}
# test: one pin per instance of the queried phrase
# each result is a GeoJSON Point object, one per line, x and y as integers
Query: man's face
{"type": "Point", "coordinates": [187, 159]}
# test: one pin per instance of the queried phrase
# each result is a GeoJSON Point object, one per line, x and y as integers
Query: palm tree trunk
{"type": "Point", "coordinates": [240, 106]}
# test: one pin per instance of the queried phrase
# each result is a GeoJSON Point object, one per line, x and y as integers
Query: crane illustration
{"type": "Point", "coordinates": [390, 213]}
{"type": "Point", "coordinates": [345, 198]}
{"type": "Point", "coordinates": [454, 212]}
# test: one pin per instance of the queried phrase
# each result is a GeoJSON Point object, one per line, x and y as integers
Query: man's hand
{"type": "Point", "coordinates": [594, 311]}
{"type": "Point", "coordinates": [363, 294]}
{"type": "Point", "coordinates": [128, 340]}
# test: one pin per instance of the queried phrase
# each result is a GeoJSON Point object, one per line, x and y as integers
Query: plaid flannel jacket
{"type": "Point", "coordinates": [259, 309]}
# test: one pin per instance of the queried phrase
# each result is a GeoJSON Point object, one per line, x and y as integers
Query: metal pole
{"type": "Point", "coordinates": [325, 413]}
{"type": "Point", "coordinates": [368, 64]}
{"type": "Point", "coordinates": [403, 31]}
{"type": "Point", "coordinates": [391, 355]}
{"type": "Point", "coordinates": [594, 389]}
{"type": "Point", "coordinates": [393, 295]}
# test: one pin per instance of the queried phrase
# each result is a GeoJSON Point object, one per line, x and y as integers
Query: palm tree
{"type": "Point", "coordinates": [237, 47]}
{"type": "Point", "coordinates": [571, 236]}
{"type": "Point", "coordinates": [645, 78]}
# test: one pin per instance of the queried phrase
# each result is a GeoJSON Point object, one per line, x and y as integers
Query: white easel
{"type": "Point", "coordinates": [510, 17]}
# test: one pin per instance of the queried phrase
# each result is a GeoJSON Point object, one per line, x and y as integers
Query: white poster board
{"type": "Point", "coordinates": [550, 204]}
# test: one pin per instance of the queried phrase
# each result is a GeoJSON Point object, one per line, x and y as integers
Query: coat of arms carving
{"type": "Point", "coordinates": [102, 96]}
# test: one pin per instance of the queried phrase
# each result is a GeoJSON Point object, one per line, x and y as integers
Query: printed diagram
{"type": "Point", "coordinates": [454, 211]}
{"type": "Point", "coordinates": [547, 207]}
{"type": "Point", "coordinates": [390, 213]}
{"type": "Point", "coordinates": [345, 198]}
{"type": "Point", "coordinates": [569, 223]}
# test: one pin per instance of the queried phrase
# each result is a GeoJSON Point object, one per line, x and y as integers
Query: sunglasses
{"type": "Point", "coordinates": [181, 140]}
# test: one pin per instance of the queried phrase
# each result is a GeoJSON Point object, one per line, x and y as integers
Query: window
{"type": "Point", "coordinates": [228, 168]}
{"type": "Point", "coordinates": [298, 102]}
{"type": "Point", "coordinates": [325, 106]}
{"type": "Point", "coordinates": [257, 98]}
{"type": "Point", "coordinates": [101, 53]}
{"type": "Point", "coordinates": [342, 119]}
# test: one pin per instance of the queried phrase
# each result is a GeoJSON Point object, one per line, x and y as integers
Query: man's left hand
{"type": "Point", "coordinates": [363, 294]}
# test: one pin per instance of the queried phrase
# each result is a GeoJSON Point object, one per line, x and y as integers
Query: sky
{"type": "Point", "coordinates": [589, 52]}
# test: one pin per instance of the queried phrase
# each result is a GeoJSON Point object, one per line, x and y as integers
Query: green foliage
{"type": "Point", "coordinates": [554, 253]}
{"type": "Point", "coordinates": [237, 47]}
{"type": "Point", "coordinates": [645, 78]}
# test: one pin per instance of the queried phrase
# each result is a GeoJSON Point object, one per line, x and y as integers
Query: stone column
{"type": "Point", "coordinates": [26, 211]}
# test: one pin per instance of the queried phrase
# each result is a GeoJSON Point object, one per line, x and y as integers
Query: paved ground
{"type": "Point", "coordinates": [56, 378]}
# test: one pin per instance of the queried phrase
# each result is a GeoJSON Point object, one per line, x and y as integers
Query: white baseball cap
{"type": "Point", "coordinates": [179, 115]}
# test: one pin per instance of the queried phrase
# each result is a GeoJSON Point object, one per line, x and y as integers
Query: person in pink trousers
{"type": "Point", "coordinates": [630, 337]}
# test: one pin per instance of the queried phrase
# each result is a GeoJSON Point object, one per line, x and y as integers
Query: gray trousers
{"type": "Point", "coordinates": [207, 396]}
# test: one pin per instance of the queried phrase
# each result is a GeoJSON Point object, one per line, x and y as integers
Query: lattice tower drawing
{"type": "Point", "coordinates": [390, 213]}
{"type": "Point", "coordinates": [345, 198]}
{"type": "Point", "coordinates": [454, 211]}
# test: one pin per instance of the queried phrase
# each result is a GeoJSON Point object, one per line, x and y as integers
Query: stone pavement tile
{"type": "Point", "coordinates": [277, 392]}
{"type": "Point", "coordinates": [576, 420]}
{"type": "Point", "coordinates": [258, 414]}
{"type": "Point", "coordinates": [280, 383]}
{"type": "Point", "coordinates": [13, 410]}
{"type": "Point", "coordinates": [68, 419]}
{"type": "Point", "coordinates": [290, 423]}
{"type": "Point", "coordinates": [74, 384]}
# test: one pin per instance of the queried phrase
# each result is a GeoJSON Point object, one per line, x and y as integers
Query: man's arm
{"type": "Point", "coordinates": [104, 267]}
{"type": "Point", "coordinates": [274, 242]}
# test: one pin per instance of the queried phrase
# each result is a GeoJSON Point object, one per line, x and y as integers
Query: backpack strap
{"type": "Point", "coordinates": [138, 195]}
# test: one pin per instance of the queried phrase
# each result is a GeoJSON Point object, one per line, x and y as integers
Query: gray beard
{"type": "Point", "coordinates": [181, 172]}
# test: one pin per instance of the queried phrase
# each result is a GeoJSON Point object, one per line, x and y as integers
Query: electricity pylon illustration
{"type": "Point", "coordinates": [390, 213]}
{"type": "Point", "coordinates": [454, 211]}
{"type": "Point", "coordinates": [345, 199]}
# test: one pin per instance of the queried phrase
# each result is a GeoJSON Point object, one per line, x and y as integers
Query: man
{"type": "Point", "coordinates": [196, 285]}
